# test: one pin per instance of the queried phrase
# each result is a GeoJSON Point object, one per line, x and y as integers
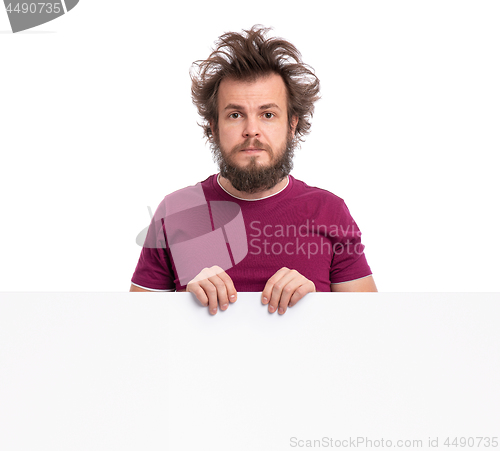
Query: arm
{"type": "Point", "coordinates": [136, 289]}
{"type": "Point", "coordinates": [365, 284]}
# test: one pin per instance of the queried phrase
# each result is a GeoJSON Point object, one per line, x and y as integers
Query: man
{"type": "Point", "coordinates": [256, 98]}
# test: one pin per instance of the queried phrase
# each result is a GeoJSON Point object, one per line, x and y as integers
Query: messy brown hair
{"type": "Point", "coordinates": [248, 56]}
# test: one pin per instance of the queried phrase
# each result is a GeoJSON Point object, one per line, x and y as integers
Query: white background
{"type": "Point", "coordinates": [96, 123]}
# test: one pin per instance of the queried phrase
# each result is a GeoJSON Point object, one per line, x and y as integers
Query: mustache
{"type": "Point", "coordinates": [252, 143]}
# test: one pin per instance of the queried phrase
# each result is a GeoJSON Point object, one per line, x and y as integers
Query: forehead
{"type": "Point", "coordinates": [252, 94]}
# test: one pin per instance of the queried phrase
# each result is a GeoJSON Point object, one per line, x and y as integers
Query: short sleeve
{"type": "Point", "coordinates": [349, 261]}
{"type": "Point", "coordinates": [154, 269]}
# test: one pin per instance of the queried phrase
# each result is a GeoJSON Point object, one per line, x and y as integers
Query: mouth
{"type": "Point", "coordinates": [252, 150]}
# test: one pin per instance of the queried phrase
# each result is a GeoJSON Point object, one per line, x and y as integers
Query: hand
{"type": "Point", "coordinates": [212, 286]}
{"type": "Point", "coordinates": [285, 289]}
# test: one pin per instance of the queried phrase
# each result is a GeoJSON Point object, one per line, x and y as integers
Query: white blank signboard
{"type": "Point", "coordinates": [155, 371]}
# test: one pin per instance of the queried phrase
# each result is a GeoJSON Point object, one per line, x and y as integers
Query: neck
{"type": "Point", "coordinates": [227, 185]}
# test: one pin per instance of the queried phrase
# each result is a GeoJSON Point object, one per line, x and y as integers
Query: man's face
{"type": "Point", "coordinates": [253, 143]}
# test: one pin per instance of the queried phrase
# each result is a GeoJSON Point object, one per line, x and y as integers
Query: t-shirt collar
{"type": "Point", "coordinates": [260, 198]}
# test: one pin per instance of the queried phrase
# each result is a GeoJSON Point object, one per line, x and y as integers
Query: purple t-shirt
{"type": "Point", "coordinates": [301, 227]}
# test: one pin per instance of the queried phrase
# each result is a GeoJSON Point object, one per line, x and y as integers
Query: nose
{"type": "Point", "coordinates": [251, 129]}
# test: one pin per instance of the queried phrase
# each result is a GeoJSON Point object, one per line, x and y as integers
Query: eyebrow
{"type": "Point", "coordinates": [232, 106]}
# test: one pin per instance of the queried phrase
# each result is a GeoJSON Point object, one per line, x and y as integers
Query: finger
{"type": "Point", "coordinates": [287, 293]}
{"type": "Point", "coordinates": [232, 295]}
{"type": "Point", "coordinates": [226, 292]}
{"type": "Point", "coordinates": [208, 280]}
{"type": "Point", "coordinates": [300, 292]}
{"type": "Point", "coordinates": [220, 291]}
{"type": "Point", "coordinates": [283, 289]}
{"type": "Point", "coordinates": [194, 287]}
{"type": "Point", "coordinates": [293, 286]}
{"type": "Point", "coordinates": [295, 290]}
{"type": "Point", "coordinates": [211, 292]}
{"type": "Point", "coordinates": [267, 291]}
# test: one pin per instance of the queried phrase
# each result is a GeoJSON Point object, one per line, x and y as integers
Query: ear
{"type": "Point", "coordinates": [293, 125]}
{"type": "Point", "coordinates": [212, 129]}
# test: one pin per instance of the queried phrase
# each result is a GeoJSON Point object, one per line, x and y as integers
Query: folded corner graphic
{"type": "Point", "coordinates": [199, 234]}
{"type": "Point", "coordinates": [29, 14]}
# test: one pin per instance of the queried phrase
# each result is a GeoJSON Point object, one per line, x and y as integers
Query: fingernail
{"type": "Point", "coordinates": [280, 310]}
{"type": "Point", "coordinates": [223, 306]}
{"type": "Point", "coordinates": [271, 308]}
{"type": "Point", "coordinates": [264, 300]}
{"type": "Point", "coordinates": [214, 310]}
{"type": "Point", "coordinates": [232, 297]}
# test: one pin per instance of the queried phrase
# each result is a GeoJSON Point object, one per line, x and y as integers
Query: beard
{"type": "Point", "coordinates": [254, 177]}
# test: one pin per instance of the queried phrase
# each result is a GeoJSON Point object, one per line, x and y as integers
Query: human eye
{"type": "Point", "coordinates": [269, 115]}
{"type": "Point", "coordinates": [234, 115]}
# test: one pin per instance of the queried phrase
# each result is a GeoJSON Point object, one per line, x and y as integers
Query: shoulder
{"type": "Point", "coordinates": [315, 194]}
{"type": "Point", "coordinates": [187, 197]}
{"type": "Point", "coordinates": [320, 203]}
{"type": "Point", "coordinates": [206, 184]}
